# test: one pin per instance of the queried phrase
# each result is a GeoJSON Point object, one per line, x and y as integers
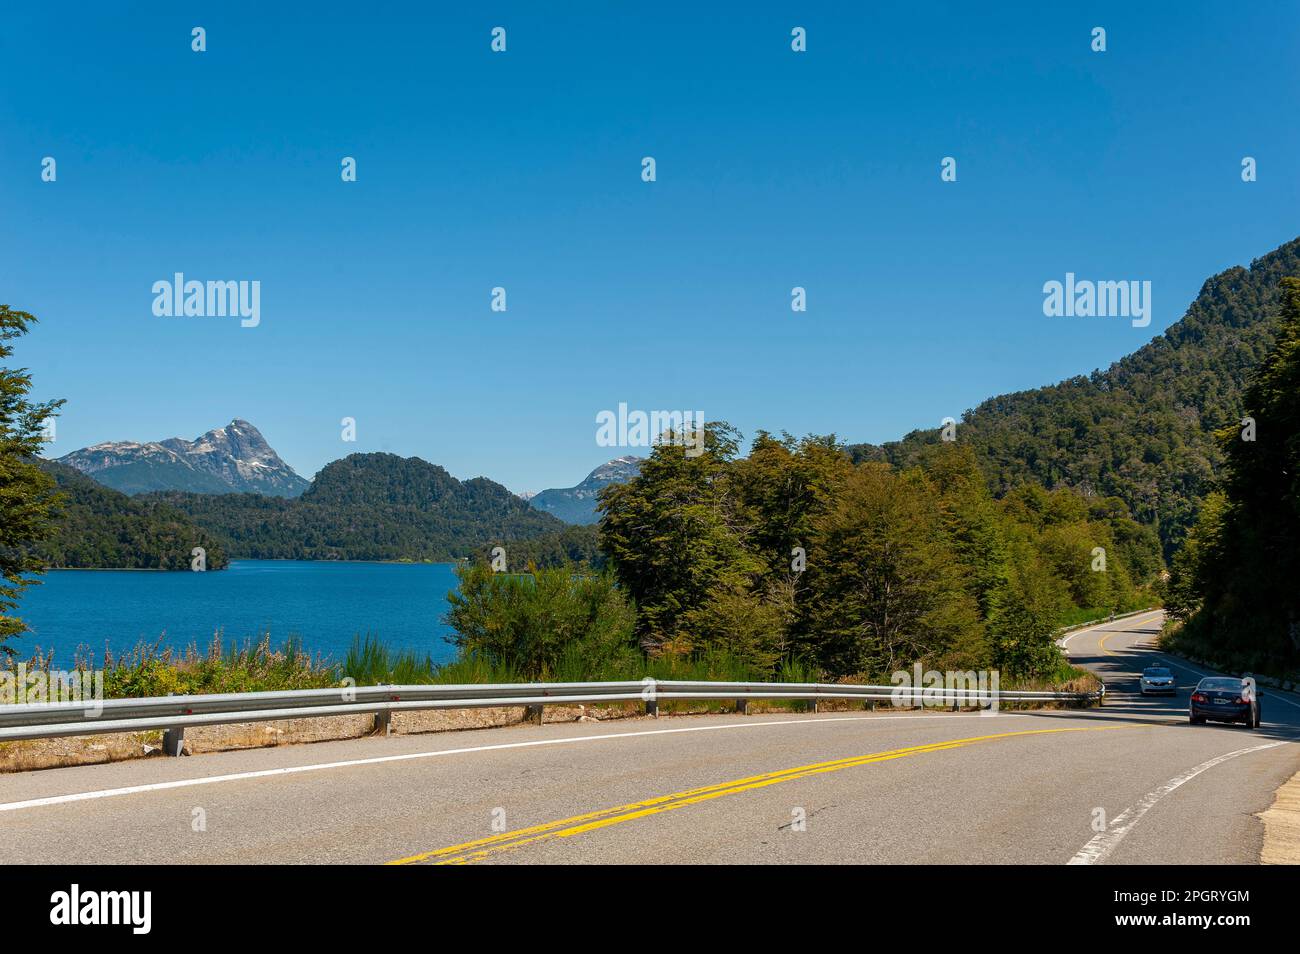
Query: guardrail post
{"type": "Point", "coordinates": [174, 741]}
{"type": "Point", "coordinates": [384, 722]}
{"type": "Point", "coordinates": [652, 708]}
{"type": "Point", "coordinates": [812, 705]}
{"type": "Point", "coordinates": [533, 714]}
{"type": "Point", "coordinates": [742, 706]}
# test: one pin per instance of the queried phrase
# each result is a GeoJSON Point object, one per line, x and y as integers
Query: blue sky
{"type": "Point", "coordinates": [522, 169]}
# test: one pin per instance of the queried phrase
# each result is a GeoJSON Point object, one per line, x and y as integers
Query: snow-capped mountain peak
{"type": "Point", "coordinates": [231, 459]}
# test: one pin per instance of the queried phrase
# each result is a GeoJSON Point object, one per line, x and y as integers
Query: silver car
{"type": "Point", "coordinates": [1158, 681]}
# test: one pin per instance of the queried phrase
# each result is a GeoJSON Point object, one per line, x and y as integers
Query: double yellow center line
{"type": "Point", "coordinates": [471, 851]}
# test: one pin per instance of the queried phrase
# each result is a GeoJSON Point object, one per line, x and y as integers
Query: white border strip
{"type": "Point", "coordinates": [1101, 845]}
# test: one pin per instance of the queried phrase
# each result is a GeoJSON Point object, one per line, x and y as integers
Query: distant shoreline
{"type": "Point", "coordinates": [155, 569]}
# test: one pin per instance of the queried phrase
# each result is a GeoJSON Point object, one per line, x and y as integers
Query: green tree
{"type": "Point", "coordinates": [553, 622]}
{"type": "Point", "coordinates": [674, 537]}
{"type": "Point", "coordinates": [973, 520]}
{"type": "Point", "coordinates": [1238, 578]}
{"type": "Point", "coordinates": [885, 586]}
{"type": "Point", "coordinates": [1024, 614]}
{"type": "Point", "coordinates": [26, 493]}
{"type": "Point", "coordinates": [1192, 566]}
{"type": "Point", "coordinates": [781, 488]}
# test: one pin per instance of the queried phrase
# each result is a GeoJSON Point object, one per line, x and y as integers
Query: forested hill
{"type": "Point", "coordinates": [368, 507]}
{"type": "Point", "coordinates": [1142, 430]}
{"type": "Point", "coordinates": [100, 527]}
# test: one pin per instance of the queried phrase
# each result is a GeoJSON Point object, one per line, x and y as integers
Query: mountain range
{"type": "Point", "coordinates": [235, 458]}
{"type": "Point", "coordinates": [366, 507]}
{"type": "Point", "coordinates": [577, 505]}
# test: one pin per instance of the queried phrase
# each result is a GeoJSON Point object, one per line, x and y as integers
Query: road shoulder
{"type": "Point", "coordinates": [1282, 826]}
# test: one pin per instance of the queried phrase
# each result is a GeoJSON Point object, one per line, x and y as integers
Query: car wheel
{"type": "Point", "coordinates": [1196, 720]}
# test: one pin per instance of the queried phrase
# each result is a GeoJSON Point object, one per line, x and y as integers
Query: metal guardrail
{"type": "Point", "coordinates": [174, 714]}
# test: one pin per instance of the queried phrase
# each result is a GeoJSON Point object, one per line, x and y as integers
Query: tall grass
{"type": "Point", "coordinates": [370, 662]}
{"type": "Point", "coordinates": [151, 669]}
{"type": "Point", "coordinates": [259, 665]}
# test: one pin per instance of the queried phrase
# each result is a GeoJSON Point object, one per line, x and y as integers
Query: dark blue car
{"type": "Point", "coordinates": [1225, 699]}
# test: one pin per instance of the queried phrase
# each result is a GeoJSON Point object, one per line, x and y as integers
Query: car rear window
{"type": "Point", "coordinates": [1154, 671]}
{"type": "Point", "coordinates": [1231, 684]}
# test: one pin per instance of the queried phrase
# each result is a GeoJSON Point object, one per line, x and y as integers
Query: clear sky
{"type": "Point", "coordinates": [523, 169]}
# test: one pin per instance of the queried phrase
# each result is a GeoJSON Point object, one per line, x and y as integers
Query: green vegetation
{"type": "Point", "coordinates": [99, 527]}
{"type": "Point", "coordinates": [1144, 429]}
{"type": "Point", "coordinates": [367, 507]}
{"type": "Point", "coordinates": [370, 662]}
{"type": "Point", "coordinates": [541, 623]}
{"type": "Point", "coordinates": [574, 545]}
{"type": "Point", "coordinates": [261, 666]}
{"type": "Point", "coordinates": [27, 494]}
{"type": "Point", "coordinates": [902, 565]}
{"type": "Point", "coordinates": [151, 670]}
{"type": "Point", "coordinates": [1234, 593]}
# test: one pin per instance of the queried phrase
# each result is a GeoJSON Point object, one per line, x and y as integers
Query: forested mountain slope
{"type": "Point", "coordinates": [1143, 429]}
{"type": "Point", "coordinates": [369, 507]}
{"type": "Point", "coordinates": [99, 527]}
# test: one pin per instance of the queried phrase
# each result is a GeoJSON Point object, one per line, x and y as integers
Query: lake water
{"type": "Point", "coordinates": [325, 603]}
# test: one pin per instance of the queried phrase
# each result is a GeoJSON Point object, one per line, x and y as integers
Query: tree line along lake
{"type": "Point", "coordinates": [324, 603]}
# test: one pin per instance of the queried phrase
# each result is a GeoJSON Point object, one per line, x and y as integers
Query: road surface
{"type": "Point", "coordinates": [885, 787]}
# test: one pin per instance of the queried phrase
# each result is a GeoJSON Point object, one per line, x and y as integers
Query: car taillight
{"type": "Point", "coordinates": [1197, 697]}
{"type": "Point", "coordinates": [1240, 700]}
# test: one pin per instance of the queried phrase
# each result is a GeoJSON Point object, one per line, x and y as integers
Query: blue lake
{"type": "Point", "coordinates": [324, 603]}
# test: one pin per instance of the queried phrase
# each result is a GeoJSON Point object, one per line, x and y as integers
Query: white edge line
{"type": "Point", "coordinates": [410, 756]}
{"type": "Point", "coordinates": [1102, 844]}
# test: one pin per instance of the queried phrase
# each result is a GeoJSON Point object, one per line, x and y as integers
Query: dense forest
{"type": "Point", "coordinates": [1144, 429]}
{"type": "Point", "coordinates": [793, 559]}
{"type": "Point", "coordinates": [1235, 590]}
{"type": "Point", "coordinates": [575, 545]}
{"type": "Point", "coordinates": [99, 527]}
{"type": "Point", "coordinates": [368, 507]}
{"type": "Point", "coordinates": [795, 551]}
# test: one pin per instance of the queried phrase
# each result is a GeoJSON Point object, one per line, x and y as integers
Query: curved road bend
{"type": "Point", "coordinates": [886, 787]}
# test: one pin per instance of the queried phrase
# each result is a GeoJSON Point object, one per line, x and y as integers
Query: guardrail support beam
{"type": "Point", "coordinates": [652, 708]}
{"type": "Point", "coordinates": [174, 741]}
{"type": "Point", "coordinates": [533, 714]}
{"type": "Point", "coordinates": [384, 722]}
{"type": "Point", "coordinates": [812, 705]}
{"type": "Point", "coordinates": [742, 706]}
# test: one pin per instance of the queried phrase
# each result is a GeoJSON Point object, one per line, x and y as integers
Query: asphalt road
{"type": "Point", "coordinates": [885, 787]}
